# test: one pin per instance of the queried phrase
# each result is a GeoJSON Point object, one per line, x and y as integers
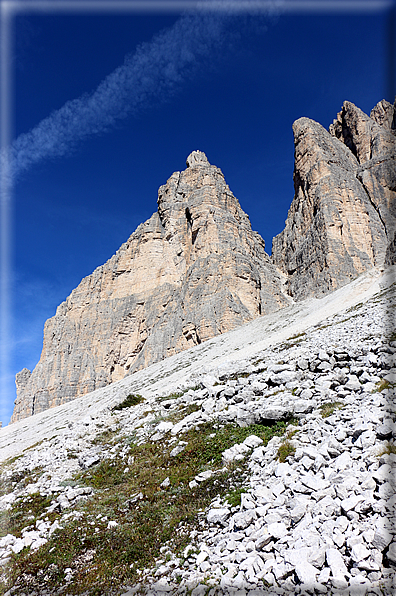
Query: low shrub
{"type": "Point", "coordinates": [129, 401]}
{"type": "Point", "coordinates": [235, 497]}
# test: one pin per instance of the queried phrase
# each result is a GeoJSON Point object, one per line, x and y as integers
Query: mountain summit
{"type": "Point", "coordinates": [196, 269]}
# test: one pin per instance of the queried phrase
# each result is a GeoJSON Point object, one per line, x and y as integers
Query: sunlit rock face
{"type": "Point", "coordinates": [342, 218]}
{"type": "Point", "coordinates": [194, 270]}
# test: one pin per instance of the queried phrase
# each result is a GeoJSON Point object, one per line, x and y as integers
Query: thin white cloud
{"type": "Point", "coordinates": [153, 73]}
{"type": "Point", "coordinates": [156, 70]}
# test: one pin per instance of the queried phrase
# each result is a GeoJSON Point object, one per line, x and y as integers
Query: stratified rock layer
{"type": "Point", "coordinates": [342, 219]}
{"type": "Point", "coordinates": [194, 270]}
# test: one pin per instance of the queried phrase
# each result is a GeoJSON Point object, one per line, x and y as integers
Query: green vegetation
{"type": "Point", "coordinates": [258, 361]}
{"type": "Point", "coordinates": [19, 479]}
{"type": "Point", "coordinates": [24, 512]}
{"type": "Point", "coordinates": [129, 401]}
{"type": "Point", "coordinates": [324, 326]}
{"type": "Point", "coordinates": [107, 436]}
{"type": "Point", "coordinates": [104, 558]}
{"type": "Point", "coordinates": [236, 376]}
{"type": "Point", "coordinates": [182, 412]}
{"type": "Point", "coordinates": [177, 394]}
{"type": "Point", "coordinates": [285, 449]}
{"type": "Point", "coordinates": [328, 409]}
{"type": "Point", "coordinates": [294, 340]}
{"type": "Point", "coordinates": [356, 307]}
{"type": "Point", "coordinates": [388, 450]}
{"type": "Point", "coordinates": [291, 433]}
{"type": "Point", "coordinates": [235, 497]}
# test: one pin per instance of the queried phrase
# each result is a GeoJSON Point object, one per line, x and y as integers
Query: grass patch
{"type": "Point", "coordinates": [235, 497]}
{"type": "Point", "coordinates": [285, 449]}
{"type": "Point", "coordinates": [324, 326]}
{"type": "Point", "coordinates": [129, 401]}
{"type": "Point", "coordinates": [328, 409]}
{"type": "Point", "coordinates": [388, 450]}
{"type": "Point", "coordinates": [355, 308]}
{"type": "Point", "coordinates": [104, 559]}
{"type": "Point", "coordinates": [178, 394]}
{"type": "Point", "coordinates": [292, 341]}
{"type": "Point", "coordinates": [291, 433]}
{"type": "Point", "coordinates": [297, 336]}
{"type": "Point", "coordinates": [20, 480]}
{"type": "Point", "coordinates": [382, 385]}
{"type": "Point", "coordinates": [103, 438]}
{"type": "Point", "coordinates": [235, 376]}
{"type": "Point", "coordinates": [178, 415]}
{"type": "Point", "coordinates": [24, 512]}
{"type": "Point", "coordinates": [276, 391]}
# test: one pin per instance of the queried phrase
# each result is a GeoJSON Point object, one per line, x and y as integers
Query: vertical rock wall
{"type": "Point", "coordinates": [342, 218]}
{"type": "Point", "coordinates": [373, 141]}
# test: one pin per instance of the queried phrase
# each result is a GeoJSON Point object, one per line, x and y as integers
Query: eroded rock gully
{"type": "Point", "coordinates": [196, 269]}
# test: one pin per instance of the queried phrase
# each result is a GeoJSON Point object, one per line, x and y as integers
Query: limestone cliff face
{"type": "Point", "coordinates": [194, 270]}
{"type": "Point", "coordinates": [373, 141]}
{"type": "Point", "coordinates": [342, 218]}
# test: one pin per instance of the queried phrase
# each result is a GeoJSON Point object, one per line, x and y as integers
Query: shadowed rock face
{"type": "Point", "coordinates": [194, 270]}
{"type": "Point", "coordinates": [342, 218]}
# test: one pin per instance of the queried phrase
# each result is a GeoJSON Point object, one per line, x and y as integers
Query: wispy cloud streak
{"type": "Point", "coordinates": [153, 73]}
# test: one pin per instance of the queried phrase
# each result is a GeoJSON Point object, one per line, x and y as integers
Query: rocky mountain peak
{"type": "Point", "coordinates": [197, 158]}
{"type": "Point", "coordinates": [384, 113]}
{"type": "Point", "coordinates": [368, 137]}
{"type": "Point", "coordinates": [342, 218]}
{"type": "Point", "coordinates": [196, 269]}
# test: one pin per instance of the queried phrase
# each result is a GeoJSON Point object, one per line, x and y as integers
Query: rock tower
{"type": "Point", "coordinates": [342, 219]}
{"type": "Point", "coordinates": [194, 270]}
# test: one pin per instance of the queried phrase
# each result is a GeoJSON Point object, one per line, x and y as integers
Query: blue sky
{"type": "Point", "coordinates": [107, 105]}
